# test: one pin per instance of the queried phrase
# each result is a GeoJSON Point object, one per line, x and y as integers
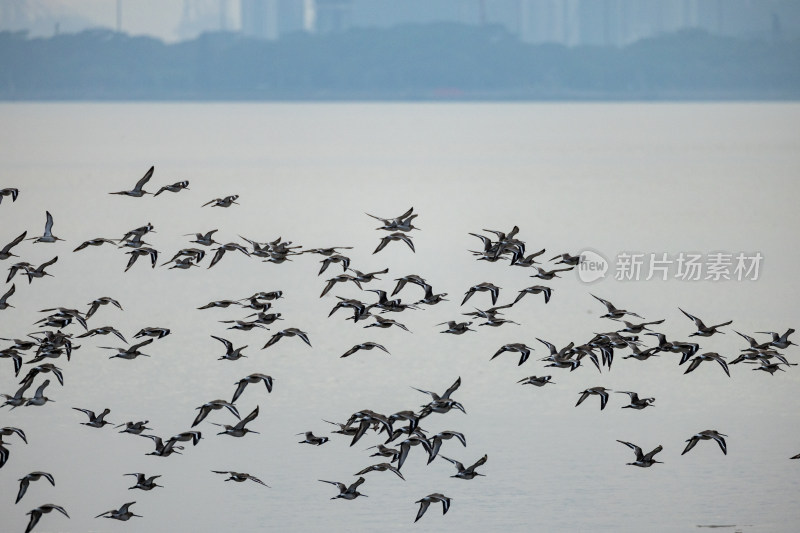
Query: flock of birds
{"type": "Point", "coordinates": [400, 431]}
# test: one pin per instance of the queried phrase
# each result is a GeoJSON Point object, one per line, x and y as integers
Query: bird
{"type": "Point", "coordinates": [229, 247]}
{"type": "Point", "coordinates": [567, 259]}
{"type": "Point", "coordinates": [10, 191]}
{"type": "Point", "coordinates": [137, 191]}
{"type": "Point", "coordinates": [613, 312]}
{"type": "Point", "coordinates": [193, 255]}
{"type": "Point", "coordinates": [239, 430]}
{"type": "Point", "coordinates": [288, 332]}
{"type": "Point", "coordinates": [380, 467]}
{"type": "Point", "coordinates": [214, 405]}
{"type": "Point", "coordinates": [446, 395]}
{"type": "Point", "coordinates": [134, 428]}
{"type": "Point", "coordinates": [223, 202]}
{"type": "Point", "coordinates": [425, 502]}
{"type": "Point", "coordinates": [702, 329]}
{"type": "Point", "coordinates": [397, 236]}
{"type": "Point", "coordinates": [345, 492]}
{"type": "Point", "coordinates": [154, 332]}
{"type": "Point", "coordinates": [8, 430]}
{"type": "Point", "coordinates": [143, 482]}
{"type": "Point", "coordinates": [313, 439]}
{"type": "Point", "coordinates": [240, 477]}
{"type": "Point", "coordinates": [39, 398]}
{"type": "Point", "coordinates": [707, 434]}
{"type": "Point", "coordinates": [708, 356]}
{"type": "Point", "coordinates": [547, 275]}
{"type": "Point", "coordinates": [456, 328]}
{"type": "Point", "coordinates": [4, 299]}
{"type": "Point", "coordinates": [469, 472]}
{"type": "Point", "coordinates": [369, 276]}
{"type": "Point", "coordinates": [364, 346]}
{"type": "Point", "coordinates": [3, 454]}
{"type": "Point", "coordinates": [105, 330]}
{"type": "Point", "coordinates": [39, 271]}
{"type": "Point", "coordinates": [103, 300]}
{"type": "Point", "coordinates": [334, 258]}
{"type": "Point", "coordinates": [45, 367]}
{"type": "Point", "coordinates": [33, 476]}
{"type": "Point", "coordinates": [123, 513]}
{"type": "Point", "coordinates": [436, 441]}
{"type": "Point", "coordinates": [482, 287]}
{"type": "Point", "coordinates": [780, 341]}
{"type": "Point", "coordinates": [537, 381]}
{"type": "Point", "coordinates": [163, 449]}
{"type": "Point", "coordinates": [16, 267]}
{"type": "Point", "coordinates": [599, 391]}
{"type": "Point", "coordinates": [638, 328]}
{"type": "Point", "coordinates": [138, 233]}
{"type": "Point", "coordinates": [36, 514]}
{"type": "Point", "coordinates": [140, 252]}
{"type": "Point", "coordinates": [431, 298]}
{"type": "Point", "coordinates": [219, 304]}
{"type": "Point", "coordinates": [411, 278]}
{"type": "Point", "coordinates": [535, 289]}
{"type": "Point", "coordinates": [175, 187]}
{"type": "Point", "coordinates": [391, 224]}
{"type": "Point", "coordinates": [339, 279]}
{"type": "Point", "coordinates": [93, 242]}
{"type": "Point", "coordinates": [15, 401]}
{"type": "Point", "coordinates": [230, 353]}
{"type": "Point", "coordinates": [642, 460]}
{"type": "Point", "coordinates": [95, 421]}
{"type": "Point", "coordinates": [15, 356]}
{"type": "Point", "coordinates": [131, 352]}
{"type": "Point", "coordinates": [47, 236]}
{"type": "Point", "coordinates": [636, 402]}
{"type": "Point", "coordinates": [252, 378]}
{"type": "Point", "coordinates": [5, 252]}
{"type": "Point", "coordinates": [523, 349]}
{"type": "Point", "coordinates": [384, 323]}
{"type": "Point", "coordinates": [205, 239]}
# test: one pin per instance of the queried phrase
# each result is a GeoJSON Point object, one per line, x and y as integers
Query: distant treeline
{"type": "Point", "coordinates": [414, 62]}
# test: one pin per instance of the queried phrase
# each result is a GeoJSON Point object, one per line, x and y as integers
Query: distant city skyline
{"type": "Point", "coordinates": [568, 22]}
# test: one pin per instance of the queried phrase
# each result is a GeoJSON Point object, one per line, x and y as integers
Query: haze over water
{"type": "Point", "coordinates": [663, 178]}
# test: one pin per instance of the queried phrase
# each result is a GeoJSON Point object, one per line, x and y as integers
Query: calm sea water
{"type": "Point", "coordinates": [635, 178]}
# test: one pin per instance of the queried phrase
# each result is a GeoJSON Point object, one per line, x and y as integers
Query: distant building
{"type": "Point", "coordinates": [566, 22]}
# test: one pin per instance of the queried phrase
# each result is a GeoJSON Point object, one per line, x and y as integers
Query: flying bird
{"type": "Point", "coordinates": [10, 191]}
{"type": "Point", "coordinates": [33, 476]}
{"type": "Point", "coordinates": [36, 514]}
{"type": "Point", "coordinates": [223, 202]}
{"type": "Point", "coordinates": [137, 191]}
{"type": "Point", "coordinates": [425, 502]}
{"type": "Point", "coordinates": [702, 329]}
{"type": "Point", "coordinates": [48, 236]}
{"type": "Point", "coordinates": [364, 346]}
{"type": "Point", "coordinates": [599, 391]}
{"type": "Point", "coordinates": [122, 514]}
{"type": "Point", "coordinates": [642, 460]}
{"type": "Point", "coordinates": [345, 492]}
{"type": "Point", "coordinates": [708, 434]}
{"type": "Point", "coordinates": [252, 378]}
{"type": "Point", "coordinates": [239, 477]}
{"type": "Point", "coordinates": [5, 252]}
{"type": "Point", "coordinates": [175, 187]}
